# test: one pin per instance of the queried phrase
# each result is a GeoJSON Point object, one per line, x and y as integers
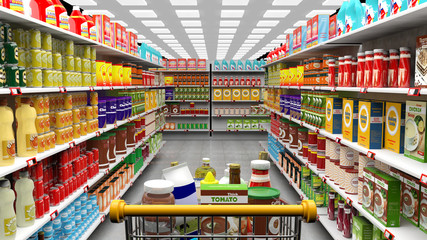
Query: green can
{"type": "Point", "coordinates": [22, 77]}
{"type": "Point", "coordinates": [34, 77]}
{"type": "Point", "coordinates": [319, 198]}
{"type": "Point", "coordinates": [69, 47]}
{"type": "Point", "coordinates": [11, 52]}
{"type": "Point", "coordinates": [35, 39]}
{"type": "Point", "coordinates": [93, 66]}
{"type": "Point", "coordinates": [93, 53]}
{"type": "Point", "coordinates": [179, 126]}
{"type": "Point", "coordinates": [93, 79]}
{"type": "Point", "coordinates": [2, 53]}
{"type": "Point", "coordinates": [86, 52]}
{"type": "Point", "coordinates": [2, 36]}
{"type": "Point", "coordinates": [69, 63]}
{"type": "Point", "coordinates": [22, 57]}
{"type": "Point", "coordinates": [86, 65]}
{"type": "Point", "coordinates": [7, 33]}
{"type": "Point", "coordinates": [12, 75]}
{"type": "Point", "coordinates": [19, 37]}
{"type": "Point", "coordinates": [2, 76]}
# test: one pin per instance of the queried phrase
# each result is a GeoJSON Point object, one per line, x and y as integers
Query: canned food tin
{"type": "Point", "coordinates": [93, 66]}
{"type": "Point", "coordinates": [11, 51]}
{"type": "Point", "coordinates": [22, 77]}
{"type": "Point", "coordinates": [95, 111]}
{"type": "Point", "coordinates": [76, 115]}
{"type": "Point", "coordinates": [34, 77]}
{"type": "Point", "coordinates": [46, 104]}
{"type": "Point", "coordinates": [89, 113]}
{"type": "Point", "coordinates": [68, 101]}
{"type": "Point", "coordinates": [59, 79]}
{"type": "Point", "coordinates": [69, 63]}
{"type": "Point", "coordinates": [127, 79]}
{"type": "Point", "coordinates": [60, 119]}
{"type": "Point", "coordinates": [93, 98]}
{"type": "Point", "coordinates": [86, 65]}
{"type": "Point", "coordinates": [60, 136]}
{"type": "Point", "coordinates": [7, 32]}
{"type": "Point", "coordinates": [48, 59]}
{"type": "Point", "coordinates": [38, 104]}
{"type": "Point", "coordinates": [47, 78]}
{"type": "Point", "coordinates": [83, 128]}
{"type": "Point", "coordinates": [69, 47]}
{"type": "Point", "coordinates": [93, 53]}
{"type": "Point", "coordinates": [57, 61]}
{"type": "Point", "coordinates": [66, 79]}
{"type": "Point", "coordinates": [22, 57]}
{"type": "Point", "coordinates": [19, 37]}
{"type": "Point", "coordinates": [35, 58]}
{"type": "Point", "coordinates": [77, 64]}
{"type": "Point", "coordinates": [44, 58]}
{"type": "Point", "coordinates": [87, 52]}
{"type": "Point", "coordinates": [2, 53]}
{"type": "Point", "coordinates": [109, 73]}
{"type": "Point", "coordinates": [76, 131]}
{"type": "Point", "coordinates": [35, 38]}
{"type": "Point", "coordinates": [39, 124]}
{"type": "Point", "coordinates": [46, 41]}
{"type": "Point", "coordinates": [52, 140]}
{"type": "Point", "coordinates": [93, 77]}
{"type": "Point", "coordinates": [41, 140]}
{"type": "Point", "coordinates": [12, 76]}
{"type": "Point", "coordinates": [87, 79]}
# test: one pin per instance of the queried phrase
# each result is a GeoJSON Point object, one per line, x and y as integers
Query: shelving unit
{"type": "Point", "coordinates": [182, 101]}
{"type": "Point", "coordinates": [241, 116]}
{"type": "Point", "coordinates": [238, 71]}
{"type": "Point", "coordinates": [189, 116]}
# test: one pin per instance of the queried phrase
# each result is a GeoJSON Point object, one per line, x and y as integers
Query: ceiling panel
{"type": "Point", "coordinates": [181, 28]}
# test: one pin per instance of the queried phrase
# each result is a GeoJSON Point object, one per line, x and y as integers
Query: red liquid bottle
{"type": "Point", "coordinates": [331, 206]}
{"type": "Point", "coordinates": [78, 23]}
{"type": "Point", "coordinates": [61, 15]}
{"type": "Point", "coordinates": [260, 176]}
{"type": "Point", "coordinates": [340, 218]}
{"type": "Point", "coordinates": [347, 224]}
{"type": "Point", "coordinates": [43, 10]}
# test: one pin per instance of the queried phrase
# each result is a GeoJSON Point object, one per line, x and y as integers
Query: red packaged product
{"type": "Point", "coordinates": [54, 196]}
{"type": "Point", "coordinates": [340, 71]}
{"type": "Point", "coordinates": [242, 81]}
{"type": "Point", "coordinates": [38, 191]}
{"type": "Point", "coordinates": [353, 71]}
{"type": "Point", "coordinates": [61, 15]}
{"type": "Point", "coordinates": [404, 67]}
{"type": "Point", "coordinates": [360, 70]}
{"type": "Point", "coordinates": [231, 81]}
{"type": "Point", "coordinates": [346, 82]}
{"type": "Point", "coordinates": [46, 204]}
{"type": "Point", "coordinates": [43, 10]}
{"type": "Point", "coordinates": [377, 73]}
{"type": "Point", "coordinates": [393, 68]}
{"type": "Point", "coordinates": [369, 68]}
{"type": "Point", "coordinates": [39, 208]}
{"type": "Point", "coordinates": [331, 73]}
{"type": "Point", "coordinates": [225, 81]}
{"type": "Point", "coordinates": [386, 60]}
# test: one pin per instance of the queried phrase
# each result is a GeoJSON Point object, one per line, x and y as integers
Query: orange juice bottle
{"type": "Point", "coordinates": [26, 129]}
{"type": "Point", "coordinates": [7, 149]}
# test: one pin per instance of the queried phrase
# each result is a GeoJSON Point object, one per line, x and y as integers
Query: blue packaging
{"type": "Point", "coordinates": [67, 227]}
{"type": "Point", "coordinates": [341, 19]}
{"type": "Point", "coordinates": [261, 63]}
{"type": "Point", "coordinates": [93, 199]}
{"type": "Point", "coordinates": [303, 37]}
{"type": "Point", "coordinates": [256, 66]}
{"type": "Point", "coordinates": [89, 207]}
{"type": "Point", "coordinates": [371, 11]}
{"type": "Point", "coordinates": [248, 65]}
{"type": "Point", "coordinates": [56, 223]}
{"type": "Point", "coordinates": [77, 204]}
{"type": "Point", "coordinates": [320, 29]}
{"type": "Point", "coordinates": [383, 9]}
{"type": "Point", "coordinates": [224, 65]}
{"type": "Point", "coordinates": [233, 65]}
{"type": "Point", "coordinates": [240, 65]}
{"type": "Point", "coordinates": [77, 218]}
{"type": "Point", "coordinates": [120, 111]}
{"type": "Point", "coordinates": [102, 121]}
{"type": "Point", "coordinates": [48, 229]}
{"type": "Point", "coordinates": [217, 66]}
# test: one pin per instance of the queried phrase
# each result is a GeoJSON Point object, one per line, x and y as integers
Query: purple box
{"type": "Point", "coordinates": [169, 94]}
{"type": "Point", "coordinates": [111, 117]}
{"type": "Point", "coordinates": [102, 107]}
{"type": "Point", "coordinates": [102, 121]}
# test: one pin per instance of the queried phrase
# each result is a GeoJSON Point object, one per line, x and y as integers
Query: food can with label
{"type": "Point", "coordinates": [69, 47]}
{"type": "Point", "coordinates": [46, 41]}
{"type": "Point", "coordinates": [34, 77]}
{"type": "Point", "coordinates": [35, 39]}
{"type": "Point", "coordinates": [77, 64]}
{"type": "Point", "coordinates": [49, 59]}
{"type": "Point", "coordinates": [22, 57]}
{"type": "Point", "coordinates": [47, 78]}
{"type": "Point", "coordinates": [34, 58]}
{"type": "Point", "coordinates": [12, 75]}
{"type": "Point", "coordinates": [69, 63]}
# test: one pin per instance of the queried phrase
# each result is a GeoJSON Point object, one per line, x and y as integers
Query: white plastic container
{"type": "Point", "coordinates": [25, 208]}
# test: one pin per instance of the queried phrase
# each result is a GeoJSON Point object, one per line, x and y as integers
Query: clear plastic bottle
{"type": "Point", "coordinates": [7, 212]}
{"type": "Point", "coordinates": [204, 169]}
{"type": "Point", "coordinates": [25, 208]}
{"type": "Point", "coordinates": [7, 138]}
{"type": "Point", "coordinates": [26, 133]}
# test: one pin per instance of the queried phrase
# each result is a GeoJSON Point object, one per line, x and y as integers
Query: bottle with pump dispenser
{"type": "Point", "coordinates": [7, 212]}
{"type": "Point", "coordinates": [25, 208]}
{"type": "Point", "coordinates": [26, 133]}
{"type": "Point", "coordinates": [7, 138]}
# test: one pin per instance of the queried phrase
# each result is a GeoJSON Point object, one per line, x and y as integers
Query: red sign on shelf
{"type": "Point", "coordinates": [370, 155]}
{"type": "Point", "coordinates": [31, 162]}
{"type": "Point", "coordinates": [363, 90]}
{"type": "Point", "coordinates": [62, 90]}
{"type": "Point", "coordinates": [15, 91]}
{"type": "Point", "coordinates": [388, 235]}
{"type": "Point", "coordinates": [54, 215]}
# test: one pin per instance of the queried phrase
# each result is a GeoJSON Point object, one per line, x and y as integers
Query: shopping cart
{"type": "Point", "coordinates": [157, 221]}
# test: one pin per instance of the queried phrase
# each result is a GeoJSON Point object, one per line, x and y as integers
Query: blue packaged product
{"type": "Point", "coordinates": [240, 65]}
{"type": "Point", "coordinates": [83, 212]}
{"type": "Point", "coordinates": [319, 29]}
{"type": "Point", "coordinates": [89, 207]}
{"type": "Point", "coordinates": [67, 227]}
{"type": "Point", "coordinates": [83, 198]}
{"type": "Point", "coordinates": [233, 65]}
{"type": "Point", "coordinates": [77, 218]}
{"type": "Point", "coordinates": [93, 199]}
{"type": "Point", "coordinates": [383, 9]}
{"type": "Point", "coordinates": [256, 66]}
{"type": "Point", "coordinates": [261, 62]}
{"type": "Point", "coordinates": [282, 103]}
{"type": "Point", "coordinates": [371, 11]}
{"type": "Point", "coordinates": [303, 37]}
{"type": "Point", "coordinates": [48, 229]}
{"type": "Point", "coordinates": [56, 223]}
{"type": "Point", "coordinates": [341, 19]}
{"type": "Point", "coordinates": [217, 65]}
{"type": "Point", "coordinates": [248, 65]}
{"type": "Point", "coordinates": [64, 214]}
{"type": "Point", "coordinates": [224, 65]}
{"type": "Point", "coordinates": [290, 43]}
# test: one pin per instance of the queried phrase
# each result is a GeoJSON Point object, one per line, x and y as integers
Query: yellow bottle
{"type": "Point", "coordinates": [26, 129]}
{"type": "Point", "coordinates": [7, 137]}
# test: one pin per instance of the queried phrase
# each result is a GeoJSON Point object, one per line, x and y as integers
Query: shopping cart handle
{"type": "Point", "coordinates": [119, 209]}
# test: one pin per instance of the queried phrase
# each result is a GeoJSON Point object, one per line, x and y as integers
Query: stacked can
{"type": "Point", "coordinates": [312, 147]}
{"type": "Point", "coordinates": [11, 74]}
{"type": "Point", "coordinates": [321, 155]}
{"type": "Point", "coordinates": [46, 137]}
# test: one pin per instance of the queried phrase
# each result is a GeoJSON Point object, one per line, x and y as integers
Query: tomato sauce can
{"type": "Point", "coordinates": [369, 68]}
{"type": "Point", "coordinates": [393, 68]}
{"type": "Point", "coordinates": [404, 67]}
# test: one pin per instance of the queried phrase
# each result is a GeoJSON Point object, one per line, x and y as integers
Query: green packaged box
{"type": "Point", "coordinates": [238, 124]}
{"type": "Point", "coordinates": [205, 126]}
{"type": "Point", "coordinates": [217, 194]}
{"type": "Point", "coordinates": [230, 124]}
{"type": "Point", "coordinates": [378, 234]}
{"type": "Point", "coordinates": [255, 124]}
{"type": "Point", "coordinates": [369, 174]}
{"type": "Point", "coordinates": [246, 124]}
{"type": "Point", "coordinates": [387, 200]}
{"type": "Point", "coordinates": [415, 135]}
{"type": "Point", "coordinates": [362, 228]}
{"type": "Point", "coordinates": [179, 126]}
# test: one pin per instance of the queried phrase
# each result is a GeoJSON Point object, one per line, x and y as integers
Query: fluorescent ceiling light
{"type": "Point", "coordinates": [251, 40]}
{"type": "Point", "coordinates": [140, 36]}
{"type": "Point", "coordinates": [300, 23]}
{"type": "Point", "coordinates": [199, 45]}
{"type": "Point", "coordinates": [225, 36]}
{"type": "Point", "coordinates": [261, 30]}
{"type": "Point", "coordinates": [286, 2]}
{"type": "Point", "coordinates": [147, 41]}
{"type": "Point", "coordinates": [199, 36]}
{"type": "Point", "coordinates": [267, 23]}
{"type": "Point", "coordinates": [123, 24]}
{"type": "Point", "coordinates": [187, 13]}
{"type": "Point", "coordinates": [129, 2]}
{"type": "Point", "coordinates": [317, 12]}
{"type": "Point", "coordinates": [183, 2]}
{"type": "Point", "coordinates": [160, 30]}
{"type": "Point", "coordinates": [191, 23]}
{"type": "Point", "coordinates": [224, 41]}
{"type": "Point", "coordinates": [166, 36]}
{"type": "Point", "coordinates": [255, 36]}
{"type": "Point", "coordinates": [227, 30]}
{"type": "Point", "coordinates": [143, 13]}
{"type": "Point", "coordinates": [132, 30]}
{"type": "Point", "coordinates": [174, 45]}
{"type": "Point", "coordinates": [170, 41]}
{"type": "Point", "coordinates": [153, 23]}
{"type": "Point", "coordinates": [197, 40]}
{"type": "Point", "coordinates": [276, 13]}
{"type": "Point", "coordinates": [277, 41]}
{"type": "Point", "coordinates": [235, 2]}
{"type": "Point", "coordinates": [248, 44]}
{"type": "Point", "coordinates": [332, 3]}
{"type": "Point", "coordinates": [223, 45]}
{"type": "Point", "coordinates": [194, 30]}
{"type": "Point", "coordinates": [281, 36]}
{"type": "Point", "coordinates": [232, 13]}
{"type": "Point", "coordinates": [99, 12]}
{"type": "Point", "coordinates": [82, 2]}
{"type": "Point", "coordinates": [225, 23]}
{"type": "Point", "coordinates": [290, 30]}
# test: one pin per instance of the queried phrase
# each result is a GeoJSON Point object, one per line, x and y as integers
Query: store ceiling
{"type": "Point", "coordinates": [211, 29]}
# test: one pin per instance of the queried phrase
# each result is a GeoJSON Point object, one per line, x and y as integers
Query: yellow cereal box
{"type": "Point", "coordinates": [333, 115]}
{"type": "Point", "coordinates": [350, 114]}
{"type": "Point", "coordinates": [246, 94]}
{"type": "Point", "coordinates": [370, 133]}
{"type": "Point", "coordinates": [237, 95]}
{"type": "Point", "coordinates": [255, 94]}
{"type": "Point", "coordinates": [226, 95]}
{"type": "Point", "coordinates": [394, 127]}
{"type": "Point", "coordinates": [217, 93]}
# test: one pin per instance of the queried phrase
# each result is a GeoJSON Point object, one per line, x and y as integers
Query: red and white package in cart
{"type": "Point", "coordinates": [377, 73]}
{"type": "Point", "coordinates": [369, 68]}
{"type": "Point", "coordinates": [360, 70]}
{"type": "Point", "coordinates": [393, 68]}
{"type": "Point", "coordinates": [404, 67]}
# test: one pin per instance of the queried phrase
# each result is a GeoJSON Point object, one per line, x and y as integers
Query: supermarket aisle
{"type": "Point", "coordinates": [220, 152]}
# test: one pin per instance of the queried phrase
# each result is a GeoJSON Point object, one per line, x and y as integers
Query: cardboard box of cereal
{"type": "Point", "coordinates": [217, 93]}
{"type": "Point", "coordinates": [394, 127]}
{"type": "Point", "coordinates": [387, 200]}
{"type": "Point", "coordinates": [370, 133]}
{"type": "Point", "coordinates": [415, 124]}
{"type": "Point", "coordinates": [236, 95]}
{"type": "Point", "coordinates": [226, 94]}
{"type": "Point", "coordinates": [350, 119]}
{"type": "Point", "coordinates": [246, 94]}
{"type": "Point", "coordinates": [333, 115]}
{"type": "Point", "coordinates": [182, 64]}
{"type": "Point", "coordinates": [255, 94]}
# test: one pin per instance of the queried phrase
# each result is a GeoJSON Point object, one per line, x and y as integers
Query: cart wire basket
{"type": "Point", "coordinates": [213, 221]}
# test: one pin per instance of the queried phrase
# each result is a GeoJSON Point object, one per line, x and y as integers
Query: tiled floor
{"type": "Point", "coordinates": [220, 153]}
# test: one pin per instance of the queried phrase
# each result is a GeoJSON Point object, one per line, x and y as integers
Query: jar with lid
{"type": "Point", "coordinates": [234, 173]}
{"type": "Point", "coordinates": [158, 192]}
{"type": "Point", "coordinates": [260, 176]}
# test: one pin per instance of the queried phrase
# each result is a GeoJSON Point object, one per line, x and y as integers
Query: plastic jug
{"type": "Point", "coordinates": [239, 65]}
{"type": "Point", "coordinates": [16, 5]}
{"type": "Point", "coordinates": [248, 65]}
{"type": "Point", "coordinates": [224, 65]}
{"type": "Point", "coordinates": [43, 10]}
{"type": "Point", "coordinates": [26, 132]}
{"type": "Point", "coordinates": [78, 23]}
{"type": "Point", "coordinates": [61, 15]}
{"type": "Point", "coordinates": [91, 26]}
{"type": "Point", "coordinates": [233, 65]}
{"type": "Point", "coordinates": [7, 212]}
{"type": "Point", "coordinates": [353, 16]}
{"type": "Point", "coordinates": [341, 19]}
{"type": "Point", "coordinates": [7, 138]}
{"type": "Point", "coordinates": [25, 208]}
{"type": "Point", "coordinates": [4, 3]}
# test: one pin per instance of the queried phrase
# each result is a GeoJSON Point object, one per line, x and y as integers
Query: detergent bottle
{"type": "Point", "coordinates": [341, 17]}
{"type": "Point", "coordinates": [7, 213]}
{"type": "Point", "coordinates": [25, 208]}
{"type": "Point", "coordinates": [78, 23]}
{"type": "Point", "coordinates": [7, 149]}
{"type": "Point", "coordinates": [61, 15]}
{"type": "Point", "coordinates": [26, 132]}
{"type": "Point", "coordinates": [43, 10]}
{"type": "Point", "coordinates": [383, 9]}
{"type": "Point", "coordinates": [91, 26]}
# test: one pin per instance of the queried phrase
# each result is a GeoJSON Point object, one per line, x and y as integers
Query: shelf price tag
{"type": "Point", "coordinates": [414, 91]}
{"type": "Point", "coordinates": [333, 89]}
{"type": "Point", "coordinates": [423, 178]}
{"type": "Point", "coordinates": [370, 155]}
{"type": "Point", "coordinates": [313, 88]}
{"type": "Point", "coordinates": [338, 140]}
{"type": "Point", "coordinates": [388, 235]}
{"type": "Point", "coordinates": [317, 130]}
{"type": "Point", "coordinates": [86, 189]}
{"type": "Point", "coordinates": [324, 179]}
{"type": "Point", "coordinates": [317, 218]}
{"type": "Point", "coordinates": [62, 90]}
{"type": "Point", "coordinates": [107, 171]}
{"type": "Point", "coordinates": [301, 196]}
{"type": "Point", "coordinates": [349, 201]}
{"type": "Point", "coordinates": [301, 123]}
{"type": "Point", "coordinates": [111, 88]}
{"type": "Point", "coordinates": [102, 218]}
{"type": "Point", "coordinates": [15, 91]}
{"type": "Point", "coordinates": [115, 125]}
{"type": "Point", "coordinates": [91, 89]}
{"type": "Point", "coordinates": [98, 133]}
{"type": "Point", "coordinates": [363, 90]}
{"type": "Point", "coordinates": [72, 144]}
{"type": "Point", "coordinates": [54, 215]}
{"type": "Point", "coordinates": [31, 162]}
